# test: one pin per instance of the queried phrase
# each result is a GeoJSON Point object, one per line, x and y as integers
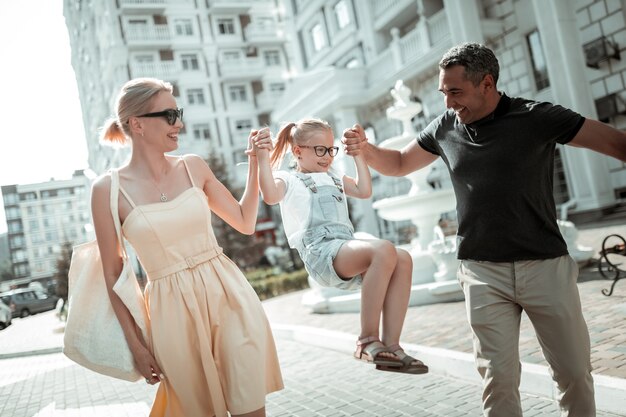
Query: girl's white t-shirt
{"type": "Point", "coordinates": [295, 206]}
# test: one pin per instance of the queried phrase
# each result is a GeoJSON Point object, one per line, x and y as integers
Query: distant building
{"type": "Point", "coordinates": [230, 61]}
{"type": "Point", "coordinates": [227, 61]}
{"type": "Point", "coordinates": [40, 218]}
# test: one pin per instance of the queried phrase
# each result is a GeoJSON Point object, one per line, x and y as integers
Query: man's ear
{"type": "Point", "coordinates": [489, 82]}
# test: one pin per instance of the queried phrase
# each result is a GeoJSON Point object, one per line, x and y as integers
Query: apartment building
{"type": "Point", "coordinates": [227, 60]}
{"type": "Point", "coordinates": [349, 53]}
{"type": "Point", "coordinates": [40, 218]}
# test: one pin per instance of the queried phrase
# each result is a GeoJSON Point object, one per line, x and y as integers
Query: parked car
{"type": "Point", "coordinates": [5, 315]}
{"type": "Point", "coordinates": [26, 301]}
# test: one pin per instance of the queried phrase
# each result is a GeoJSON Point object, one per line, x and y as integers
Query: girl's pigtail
{"type": "Point", "coordinates": [282, 143]}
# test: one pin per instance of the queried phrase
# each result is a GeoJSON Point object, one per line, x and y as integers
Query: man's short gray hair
{"type": "Point", "coordinates": [477, 59]}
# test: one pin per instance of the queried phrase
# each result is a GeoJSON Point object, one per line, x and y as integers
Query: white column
{"type": "Point", "coordinates": [363, 210]}
{"type": "Point", "coordinates": [464, 21]}
{"type": "Point", "coordinates": [587, 172]}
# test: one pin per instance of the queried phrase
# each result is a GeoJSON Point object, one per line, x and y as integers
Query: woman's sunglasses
{"type": "Point", "coordinates": [170, 115]}
{"type": "Point", "coordinates": [321, 150]}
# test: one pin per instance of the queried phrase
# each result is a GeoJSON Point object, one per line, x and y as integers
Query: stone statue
{"type": "Point", "coordinates": [401, 94]}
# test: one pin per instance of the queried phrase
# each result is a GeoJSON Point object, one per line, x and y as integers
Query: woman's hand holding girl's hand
{"type": "Point", "coordinates": [251, 151]}
{"type": "Point", "coordinates": [263, 139]}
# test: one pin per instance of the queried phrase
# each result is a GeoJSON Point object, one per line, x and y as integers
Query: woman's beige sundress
{"type": "Point", "coordinates": [209, 333]}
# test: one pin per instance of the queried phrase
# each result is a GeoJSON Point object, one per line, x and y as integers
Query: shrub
{"type": "Point", "coordinates": [267, 284]}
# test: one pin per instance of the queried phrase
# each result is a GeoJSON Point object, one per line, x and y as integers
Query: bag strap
{"type": "Point", "coordinates": [115, 187]}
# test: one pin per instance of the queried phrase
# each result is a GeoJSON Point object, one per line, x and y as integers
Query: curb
{"type": "Point", "coordinates": [45, 351]}
{"type": "Point", "coordinates": [610, 392]}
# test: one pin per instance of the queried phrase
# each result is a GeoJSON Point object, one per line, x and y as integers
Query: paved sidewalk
{"type": "Point", "coordinates": [321, 379]}
{"type": "Point", "coordinates": [318, 383]}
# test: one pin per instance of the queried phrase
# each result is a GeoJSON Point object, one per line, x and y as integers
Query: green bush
{"type": "Point", "coordinates": [267, 284]}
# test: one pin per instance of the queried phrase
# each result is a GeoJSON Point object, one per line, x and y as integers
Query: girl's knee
{"type": "Point", "coordinates": [386, 250]}
{"type": "Point", "coordinates": [404, 258]}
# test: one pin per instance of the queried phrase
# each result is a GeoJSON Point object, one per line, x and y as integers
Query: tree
{"type": "Point", "coordinates": [63, 269]}
{"type": "Point", "coordinates": [6, 272]}
{"type": "Point", "coordinates": [243, 250]}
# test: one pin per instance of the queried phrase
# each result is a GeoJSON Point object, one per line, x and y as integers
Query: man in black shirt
{"type": "Point", "coordinates": [500, 155]}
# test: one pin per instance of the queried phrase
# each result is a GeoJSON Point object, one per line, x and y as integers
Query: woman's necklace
{"type": "Point", "coordinates": [163, 196]}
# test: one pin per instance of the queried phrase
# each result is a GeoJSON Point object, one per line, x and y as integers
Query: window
{"type": "Point", "coordinates": [143, 59]}
{"type": "Point", "coordinates": [33, 225]}
{"type": "Point", "coordinates": [14, 227]}
{"type": "Point", "coordinates": [238, 93]}
{"type": "Point", "coordinates": [28, 196]}
{"type": "Point", "coordinates": [183, 27]}
{"type": "Point", "coordinates": [195, 96]}
{"type": "Point", "coordinates": [21, 270]}
{"type": "Point", "coordinates": [272, 58]}
{"type": "Point", "coordinates": [243, 125]}
{"type": "Point", "coordinates": [342, 15]}
{"type": "Point", "coordinates": [231, 56]}
{"type": "Point", "coordinates": [166, 55]}
{"type": "Point", "coordinates": [190, 62]}
{"type": "Point", "coordinates": [538, 60]}
{"type": "Point", "coordinates": [10, 199]}
{"type": "Point", "coordinates": [13, 212]}
{"type": "Point", "coordinates": [276, 88]}
{"type": "Point", "coordinates": [317, 34]}
{"type": "Point", "coordinates": [17, 241]}
{"type": "Point", "coordinates": [226, 26]}
{"type": "Point", "coordinates": [201, 132]}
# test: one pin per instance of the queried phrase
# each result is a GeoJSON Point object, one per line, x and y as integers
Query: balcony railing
{"type": "Point", "coordinates": [161, 70]}
{"type": "Point", "coordinates": [267, 100]}
{"type": "Point", "coordinates": [241, 67]}
{"type": "Point", "coordinates": [258, 31]}
{"type": "Point", "coordinates": [143, 2]}
{"type": "Point", "coordinates": [429, 33]}
{"type": "Point", "coordinates": [147, 33]}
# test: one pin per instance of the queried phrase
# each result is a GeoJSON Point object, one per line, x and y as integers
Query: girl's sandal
{"type": "Point", "coordinates": [410, 365]}
{"type": "Point", "coordinates": [369, 349]}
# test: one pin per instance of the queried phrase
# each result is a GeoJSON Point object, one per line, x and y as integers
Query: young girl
{"type": "Point", "coordinates": [315, 217]}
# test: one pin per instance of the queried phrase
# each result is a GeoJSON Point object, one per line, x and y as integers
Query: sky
{"type": "Point", "coordinates": [42, 129]}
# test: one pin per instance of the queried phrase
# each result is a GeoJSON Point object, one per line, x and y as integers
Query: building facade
{"type": "Point", "coordinates": [238, 64]}
{"type": "Point", "coordinates": [226, 59]}
{"type": "Point", "coordinates": [40, 218]}
{"type": "Point", "coordinates": [349, 54]}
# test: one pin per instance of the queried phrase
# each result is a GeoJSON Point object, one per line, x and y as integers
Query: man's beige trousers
{"type": "Point", "coordinates": [495, 295]}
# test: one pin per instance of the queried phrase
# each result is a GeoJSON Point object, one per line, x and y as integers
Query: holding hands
{"type": "Point", "coordinates": [353, 140]}
{"type": "Point", "coordinates": [259, 139]}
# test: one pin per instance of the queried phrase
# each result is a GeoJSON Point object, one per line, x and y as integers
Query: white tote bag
{"type": "Point", "coordinates": [93, 335]}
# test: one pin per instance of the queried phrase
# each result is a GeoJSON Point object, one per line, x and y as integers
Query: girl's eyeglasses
{"type": "Point", "coordinates": [321, 150]}
{"type": "Point", "coordinates": [170, 115]}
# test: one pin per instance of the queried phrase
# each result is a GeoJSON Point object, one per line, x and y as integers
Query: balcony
{"type": "Point", "coordinates": [317, 91]}
{"type": "Point", "coordinates": [263, 32]}
{"type": "Point", "coordinates": [419, 49]}
{"type": "Point", "coordinates": [143, 6]}
{"type": "Point", "coordinates": [158, 35]}
{"type": "Point", "coordinates": [388, 13]}
{"type": "Point", "coordinates": [229, 6]}
{"type": "Point", "coordinates": [242, 68]}
{"type": "Point", "coordinates": [161, 70]}
{"type": "Point", "coordinates": [266, 100]}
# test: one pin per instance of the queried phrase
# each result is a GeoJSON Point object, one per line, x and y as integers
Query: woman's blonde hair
{"type": "Point", "coordinates": [297, 133]}
{"type": "Point", "coordinates": [134, 98]}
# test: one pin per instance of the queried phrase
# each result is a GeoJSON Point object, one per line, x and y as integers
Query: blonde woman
{"type": "Point", "coordinates": [210, 348]}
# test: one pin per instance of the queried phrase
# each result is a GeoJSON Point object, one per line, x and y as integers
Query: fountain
{"type": "Point", "coordinates": [434, 255]}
